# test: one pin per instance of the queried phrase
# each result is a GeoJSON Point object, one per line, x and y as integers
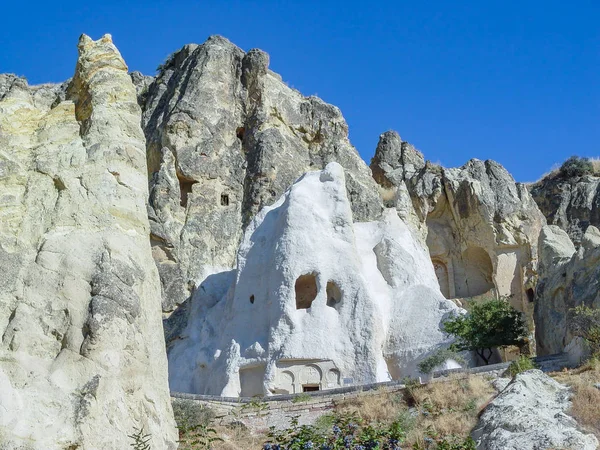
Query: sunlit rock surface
{"type": "Point", "coordinates": [316, 301]}
{"type": "Point", "coordinates": [82, 360]}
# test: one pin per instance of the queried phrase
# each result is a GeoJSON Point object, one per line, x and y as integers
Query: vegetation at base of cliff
{"type": "Point", "coordinates": [438, 358]}
{"type": "Point", "coordinates": [490, 324]}
{"type": "Point", "coordinates": [194, 423]}
{"type": "Point", "coordinates": [522, 364]}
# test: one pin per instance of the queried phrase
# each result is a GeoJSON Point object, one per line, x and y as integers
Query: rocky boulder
{"type": "Point", "coordinates": [531, 414]}
{"type": "Point", "coordinates": [82, 360]}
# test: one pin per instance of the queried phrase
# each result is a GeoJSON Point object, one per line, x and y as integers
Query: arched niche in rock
{"type": "Point", "coordinates": [473, 273]}
{"type": "Point", "coordinates": [306, 290]}
{"type": "Point", "coordinates": [441, 272]}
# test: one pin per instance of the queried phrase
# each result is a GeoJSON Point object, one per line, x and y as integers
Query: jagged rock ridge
{"type": "Point", "coordinates": [226, 137]}
{"type": "Point", "coordinates": [480, 226]}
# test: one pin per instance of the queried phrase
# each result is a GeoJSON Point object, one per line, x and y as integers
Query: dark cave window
{"type": "Point", "coordinates": [224, 200]}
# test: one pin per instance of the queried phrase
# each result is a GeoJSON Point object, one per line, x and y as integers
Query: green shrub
{"type": "Point", "coordinates": [576, 166]}
{"type": "Point", "coordinates": [521, 365]}
{"type": "Point", "coordinates": [347, 431]}
{"type": "Point", "coordinates": [493, 323]}
{"type": "Point", "coordinates": [439, 357]}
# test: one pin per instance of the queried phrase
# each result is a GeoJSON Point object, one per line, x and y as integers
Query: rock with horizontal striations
{"type": "Point", "coordinates": [530, 414]}
{"type": "Point", "coordinates": [316, 301]}
{"type": "Point", "coordinates": [82, 360]}
{"type": "Point", "coordinates": [226, 137]}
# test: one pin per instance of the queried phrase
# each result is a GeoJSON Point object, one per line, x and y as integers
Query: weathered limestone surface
{"type": "Point", "coordinates": [567, 278]}
{"type": "Point", "coordinates": [315, 299]}
{"type": "Point", "coordinates": [225, 137]}
{"type": "Point", "coordinates": [82, 358]}
{"type": "Point", "coordinates": [481, 227]}
{"type": "Point", "coordinates": [530, 414]}
{"type": "Point", "coordinates": [571, 203]}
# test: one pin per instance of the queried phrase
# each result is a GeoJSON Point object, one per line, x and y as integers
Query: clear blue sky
{"type": "Point", "coordinates": [518, 82]}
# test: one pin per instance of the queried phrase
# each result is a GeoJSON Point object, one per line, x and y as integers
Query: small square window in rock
{"type": "Point", "coordinates": [224, 200]}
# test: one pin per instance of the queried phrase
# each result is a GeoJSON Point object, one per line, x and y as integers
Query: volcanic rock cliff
{"type": "Point", "coordinates": [480, 226]}
{"type": "Point", "coordinates": [82, 360]}
{"type": "Point", "coordinates": [215, 195]}
{"type": "Point", "coordinates": [225, 137]}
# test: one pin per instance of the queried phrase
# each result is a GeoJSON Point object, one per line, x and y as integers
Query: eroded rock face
{"type": "Point", "coordinates": [530, 414]}
{"type": "Point", "coordinates": [82, 359]}
{"type": "Point", "coordinates": [226, 137]}
{"type": "Point", "coordinates": [480, 226]}
{"type": "Point", "coordinates": [573, 204]}
{"type": "Point", "coordinates": [567, 278]}
{"type": "Point", "coordinates": [316, 298]}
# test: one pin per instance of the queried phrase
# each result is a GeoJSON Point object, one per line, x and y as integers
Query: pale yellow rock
{"type": "Point", "coordinates": [82, 359]}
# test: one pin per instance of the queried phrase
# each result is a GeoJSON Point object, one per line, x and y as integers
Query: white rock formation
{"type": "Point", "coordinates": [316, 301]}
{"type": "Point", "coordinates": [82, 358]}
{"type": "Point", "coordinates": [529, 414]}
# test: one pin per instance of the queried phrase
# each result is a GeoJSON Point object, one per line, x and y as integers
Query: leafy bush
{"type": "Point", "coordinates": [521, 365]}
{"type": "Point", "coordinates": [348, 431]}
{"type": "Point", "coordinates": [576, 166]}
{"type": "Point", "coordinates": [494, 323]}
{"type": "Point", "coordinates": [439, 357]}
{"type": "Point", "coordinates": [585, 323]}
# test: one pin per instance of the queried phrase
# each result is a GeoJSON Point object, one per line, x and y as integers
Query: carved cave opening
{"type": "Point", "coordinates": [306, 290]}
{"type": "Point", "coordinates": [185, 189]}
{"type": "Point", "coordinates": [224, 200]}
{"type": "Point", "coordinates": [334, 294]}
{"type": "Point", "coordinates": [530, 295]}
{"type": "Point", "coordinates": [310, 387]}
{"type": "Point", "coordinates": [239, 132]}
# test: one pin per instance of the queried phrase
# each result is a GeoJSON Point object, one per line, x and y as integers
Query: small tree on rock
{"type": "Point", "coordinates": [494, 323]}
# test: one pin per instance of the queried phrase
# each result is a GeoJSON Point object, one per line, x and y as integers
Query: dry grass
{"type": "Point", "coordinates": [586, 398]}
{"type": "Point", "coordinates": [373, 407]}
{"type": "Point", "coordinates": [443, 409]}
{"type": "Point", "coordinates": [238, 438]}
{"type": "Point", "coordinates": [449, 408]}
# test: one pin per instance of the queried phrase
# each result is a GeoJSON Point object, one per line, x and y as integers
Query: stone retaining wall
{"type": "Point", "coordinates": [260, 413]}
